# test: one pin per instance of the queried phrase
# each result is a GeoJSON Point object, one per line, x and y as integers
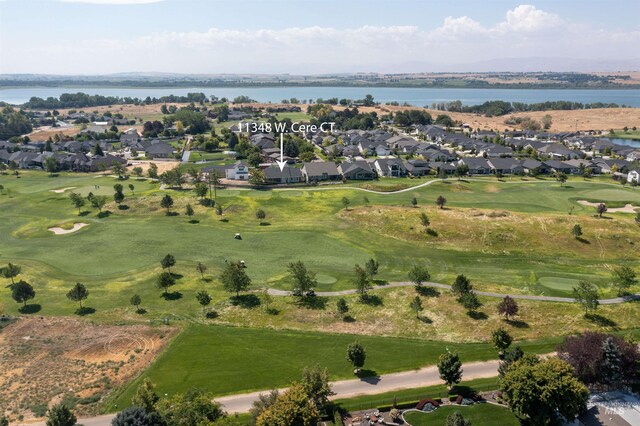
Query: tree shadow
{"type": "Point", "coordinates": [172, 214]}
{"type": "Point", "coordinates": [53, 175]}
{"type": "Point", "coordinates": [141, 311]}
{"type": "Point", "coordinates": [465, 391]}
{"type": "Point", "coordinates": [207, 279]}
{"type": "Point", "coordinates": [224, 219]}
{"type": "Point", "coordinates": [348, 318]}
{"type": "Point", "coordinates": [583, 240]}
{"type": "Point", "coordinates": [245, 301]}
{"type": "Point", "coordinates": [313, 302]}
{"type": "Point", "coordinates": [380, 282]}
{"type": "Point", "coordinates": [30, 309]}
{"type": "Point", "coordinates": [211, 315]}
{"type": "Point", "coordinates": [477, 315]}
{"type": "Point", "coordinates": [272, 311]}
{"type": "Point", "coordinates": [517, 323]}
{"type": "Point", "coordinates": [177, 276]}
{"type": "Point", "coordinates": [425, 320]}
{"type": "Point", "coordinates": [194, 221]}
{"type": "Point", "coordinates": [427, 291]}
{"type": "Point", "coordinates": [601, 320]}
{"type": "Point", "coordinates": [265, 223]}
{"type": "Point", "coordinates": [84, 213]}
{"type": "Point", "coordinates": [369, 376]}
{"type": "Point", "coordinates": [104, 214]}
{"type": "Point", "coordinates": [174, 295]}
{"type": "Point", "coordinates": [371, 300]}
{"type": "Point", "coordinates": [85, 310]}
{"type": "Point", "coordinates": [123, 207]}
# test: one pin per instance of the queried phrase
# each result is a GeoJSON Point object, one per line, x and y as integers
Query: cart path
{"type": "Point", "coordinates": [613, 301]}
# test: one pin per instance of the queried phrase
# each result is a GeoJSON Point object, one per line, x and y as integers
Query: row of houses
{"type": "Point", "coordinates": [79, 162]}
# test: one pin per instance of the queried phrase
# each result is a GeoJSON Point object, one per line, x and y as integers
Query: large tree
{"type": "Point", "coordinates": [11, 271]}
{"type": "Point", "coordinates": [457, 419]}
{"type": "Point", "coordinates": [193, 407]}
{"type": "Point", "coordinates": [303, 279]}
{"type": "Point", "coordinates": [461, 285]}
{"type": "Point", "coordinates": [22, 292]}
{"type": "Point", "coordinates": [508, 307]}
{"type": "Point", "coordinates": [291, 408]}
{"type": "Point", "coordinates": [204, 298]}
{"type": "Point", "coordinates": [361, 282]}
{"type": "Point", "coordinates": [538, 391]}
{"type": "Point", "coordinates": [416, 305]}
{"type": "Point", "coordinates": [586, 294]}
{"type": "Point", "coordinates": [168, 262]}
{"type": "Point", "coordinates": [165, 280]}
{"type": "Point", "coordinates": [166, 203]}
{"type": "Point", "coordinates": [623, 278]}
{"type": "Point", "coordinates": [146, 396]}
{"type": "Point", "coordinates": [136, 416]}
{"type": "Point", "coordinates": [78, 293]}
{"type": "Point", "coordinates": [501, 339]}
{"type": "Point", "coordinates": [586, 354]}
{"type": "Point", "coordinates": [419, 274]}
{"type": "Point", "coordinates": [315, 381]}
{"type": "Point", "coordinates": [234, 278]}
{"type": "Point", "coordinates": [356, 354]}
{"type": "Point", "coordinates": [371, 266]}
{"type": "Point", "coordinates": [450, 368]}
{"type": "Point", "coordinates": [60, 415]}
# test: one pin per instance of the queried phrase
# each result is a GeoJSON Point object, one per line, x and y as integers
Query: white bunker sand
{"type": "Point", "coordinates": [60, 191]}
{"type": "Point", "coordinates": [628, 208]}
{"type": "Point", "coordinates": [61, 231]}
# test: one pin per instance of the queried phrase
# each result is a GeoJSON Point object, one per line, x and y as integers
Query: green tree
{"type": "Point", "coordinates": [78, 293]}
{"type": "Point", "coordinates": [345, 203]}
{"type": "Point", "coordinates": [204, 299]}
{"type": "Point", "coordinates": [257, 177]}
{"type": "Point", "coordinates": [189, 211]}
{"type": "Point", "coordinates": [201, 268]}
{"type": "Point", "coordinates": [424, 219]}
{"type": "Point", "coordinates": [470, 301]}
{"type": "Point", "coordinates": [51, 165]}
{"type": "Point", "coordinates": [193, 407]}
{"type": "Point", "coordinates": [260, 214]}
{"type": "Point", "coordinates": [201, 190]}
{"type": "Point", "coordinates": [419, 274]}
{"type": "Point", "coordinates": [60, 415]}
{"type": "Point", "coordinates": [118, 197]}
{"type": "Point", "coordinates": [450, 368]}
{"type": "Point", "coordinates": [602, 207]}
{"type": "Point", "coordinates": [98, 202]}
{"type": "Point", "coordinates": [315, 381]}
{"type": "Point", "coordinates": [457, 419]}
{"type": "Point", "coordinates": [77, 200]}
{"type": "Point", "coordinates": [11, 271]}
{"type": "Point", "coordinates": [361, 282]}
{"type": "Point", "coordinates": [146, 396]}
{"type": "Point", "coordinates": [234, 278]}
{"type": "Point", "coordinates": [356, 355]}
{"type": "Point", "coordinates": [539, 390]}
{"type": "Point", "coordinates": [168, 262]}
{"type": "Point", "coordinates": [371, 266]}
{"type": "Point", "coordinates": [342, 307]}
{"type": "Point", "coordinates": [586, 294]}
{"type": "Point", "coordinates": [441, 201]}
{"type": "Point", "coordinates": [303, 279]}
{"type": "Point", "coordinates": [461, 285]}
{"type": "Point", "coordinates": [166, 203]}
{"type": "Point", "coordinates": [576, 231]}
{"type": "Point", "coordinates": [165, 280]}
{"type": "Point", "coordinates": [501, 340]}
{"type": "Point", "coordinates": [136, 300]}
{"type": "Point", "coordinates": [414, 202]}
{"type": "Point", "coordinates": [561, 177]}
{"type": "Point", "coordinates": [416, 305]}
{"type": "Point", "coordinates": [623, 278]}
{"type": "Point", "coordinates": [264, 402]}
{"type": "Point", "coordinates": [137, 416]}
{"type": "Point", "coordinates": [292, 407]}
{"type": "Point", "coordinates": [22, 292]}
{"type": "Point", "coordinates": [132, 188]}
{"type": "Point", "coordinates": [510, 356]}
{"type": "Point", "coordinates": [612, 368]}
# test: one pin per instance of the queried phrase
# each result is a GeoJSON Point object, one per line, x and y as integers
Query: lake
{"type": "Point", "coordinates": [627, 142]}
{"type": "Point", "coordinates": [412, 96]}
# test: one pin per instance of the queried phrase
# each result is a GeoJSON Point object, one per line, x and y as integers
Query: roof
{"type": "Point", "coordinates": [318, 168]}
{"type": "Point", "coordinates": [273, 172]}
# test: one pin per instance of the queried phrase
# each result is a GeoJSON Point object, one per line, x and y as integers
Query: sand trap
{"type": "Point", "coordinates": [61, 231]}
{"type": "Point", "coordinates": [628, 208]}
{"type": "Point", "coordinates": [60, 191]}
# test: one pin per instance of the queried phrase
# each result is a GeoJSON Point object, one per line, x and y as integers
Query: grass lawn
{"type": "Point", "coordinates": [478, 414]}
{"type": "Point", "coordinates": [226, 360]}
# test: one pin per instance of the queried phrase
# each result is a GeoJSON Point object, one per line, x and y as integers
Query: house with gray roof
{"type": "Point", "coordinates": [319, 171]}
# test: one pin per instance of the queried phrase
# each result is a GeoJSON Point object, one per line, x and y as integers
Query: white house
{"type": "Point", "coordinates": [239, 171]}
{"type": "Point", "coordinates": [633, 175]}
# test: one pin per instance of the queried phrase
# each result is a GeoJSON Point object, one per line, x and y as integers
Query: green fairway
{"type": "Point", "coordinates": [504, 235]}
{"type": "Point", "coordinates": [225, 360]}
{"type": "Point", "coordinates": [478, 414]}
{"type": "Point", "coordinates": [559, 283]}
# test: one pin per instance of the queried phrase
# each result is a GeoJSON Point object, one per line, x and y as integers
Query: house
{"type": "Point", "coordinates": [418, 167]}
{"type": "Point", "coordinates": [536, 167]}
{"type": "Point", "coordinates": [239, 171]}
{"type": "Point", "coordinates": [559, 166]}
{"type": "Point", "coordinates": [390, 167]}
{"type": "Point", "coordinates": [356, 170]}
{"type": "Point", "coordinates": [612, 166]}
{"type": "Point", "coordinates": [477, 165]}
{"type": "Point", "coordinates": [289, 174]}
{"type": "Point", "coordinates": [128, 139]}
{"type": "Point", "coordinates": [319, 171]}
{"type": "Point", "coordinates": [440, 167]}
{"type": "Point", "coordinates": [263, 141]}
{"type": "Point", "coordinates": [496, 151]}
{"type": "Point", "coordinates": [159, 150]}
{"type": "Point", "coordinates": [558, 152]}
{"type": "Point", "coordinates": [584, 165]}
{"type": "Point", "coordinates": [633, 176]}
{"type": "Point", "coordinates": [506, 166]}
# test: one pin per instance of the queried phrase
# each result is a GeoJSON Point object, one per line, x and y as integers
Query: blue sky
{"type": "Point", "coordinates": [85, 37]}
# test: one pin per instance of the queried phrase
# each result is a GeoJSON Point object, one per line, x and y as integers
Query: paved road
{"type": "Point", "coordinates": [426, 376]}
{"type": "Point", "coordinates": [185, 156]}
{"type": "Point", "coordinates": [615, 300]}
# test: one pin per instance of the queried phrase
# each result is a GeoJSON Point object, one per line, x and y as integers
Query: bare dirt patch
{"type": "Point", "coordinates": [49, 359]}
{"type": "Point", "coordinates": [163, 166]}
{"type": "Point", "coordinates": [62, 231]}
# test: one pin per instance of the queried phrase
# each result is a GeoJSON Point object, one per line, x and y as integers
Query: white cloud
{"type": "Point", "coordinates": [525, 32]}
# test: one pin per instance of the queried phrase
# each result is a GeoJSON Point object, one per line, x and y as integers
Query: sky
{"type": "Point", "coordinates": [96, 37]}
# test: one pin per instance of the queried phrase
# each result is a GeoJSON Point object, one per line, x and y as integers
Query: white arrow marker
{"type": "Point", "coordinates": [281, 163]}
